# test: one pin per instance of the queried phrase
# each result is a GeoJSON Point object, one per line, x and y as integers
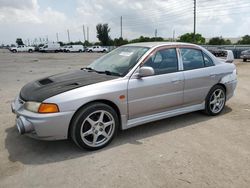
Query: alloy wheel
{"type": "Point", "coordinates": [98, 128]}
{"type": "Point", "coordinates": [217, 101]}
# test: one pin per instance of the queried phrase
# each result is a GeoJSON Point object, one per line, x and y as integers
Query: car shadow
{"type": "Point", "coordinates": [35, 152]}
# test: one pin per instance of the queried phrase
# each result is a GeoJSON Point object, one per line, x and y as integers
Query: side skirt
{"type": "Point", "coordinates": [162, 115]}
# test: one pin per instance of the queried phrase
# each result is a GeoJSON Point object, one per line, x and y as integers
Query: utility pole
{"type": "Point", "coordinates": [83, 30]}
{"type": "Point", "coordinates": [88, 33]}
{"type": "Point", "coordinates": [155, 33]}
{"type": "Point", "coordinates": [68, 35]}
{"type": "Point", "coordinates": [121, 26]}
{"type": "Point", "coordinates": [57, 37]}
{"type": "Point", "coordinates": [194, 20]}
{"type": "Point", "coordinates": [174, 35]}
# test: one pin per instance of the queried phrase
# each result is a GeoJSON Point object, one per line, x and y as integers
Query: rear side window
{"type": "Point", "coordinates": [192, 58]}
{"type": "Point", "coordinates": [207, 60]}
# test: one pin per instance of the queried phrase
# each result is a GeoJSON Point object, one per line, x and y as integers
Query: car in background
{"type": "Point", "coordinates": [50, 47]}
{"type": "Point", "coordinates": [62, 48]}
{"type": "Point", "coordinates": [74, 48]}
{"type": "Point", "coordinates": [22, 48]}
{"type": "Point", "coordinates": [97, 49]}
{"type": "Point", "coordinates": [245, 55]}
{"type": "Point", "coordinates": [132, 85]}
{"type": "Point", "coordinates": [218, 52]}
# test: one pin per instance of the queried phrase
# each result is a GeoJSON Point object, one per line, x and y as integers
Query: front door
{"type": "Point", "coordinates": [160, 92]}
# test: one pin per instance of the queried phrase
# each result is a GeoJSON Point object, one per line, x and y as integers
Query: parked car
{"type": "Point", "coordinates": [132, 85]}
{"type": "Point", "coordinates": [97, 49]}
{"type": "Point", "coordinates": [63, 48]}
{"type": "Point", "coordinates": [74, 48]}
{"type": "Point", "coordinates": [228, 57]}
{"type": "Point", "coordinates": [218, 52]}
{"type": "Point", "coordinates": [50, 47]}
{"type": "Point", "coordinates": [245, 55]}
{"type": "Point", "coordinates": [22, 48]}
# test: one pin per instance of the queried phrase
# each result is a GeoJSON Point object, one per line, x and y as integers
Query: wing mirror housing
{"type": "Point", "coordinates": [145, 71]}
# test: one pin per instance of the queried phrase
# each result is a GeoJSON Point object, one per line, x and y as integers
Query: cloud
{"type": "Point", "coordinates": [19, 4]}
{"type": "Point", "coordinates": [25, 18]}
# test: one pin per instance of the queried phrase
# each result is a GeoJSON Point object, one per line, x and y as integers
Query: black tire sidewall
{"type": "Point", "coordinates": [207, 105]}
{"type": "Point", "coordinates": [82, 115]}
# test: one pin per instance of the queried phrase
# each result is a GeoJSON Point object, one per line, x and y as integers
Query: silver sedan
{"type": "Point", "coordinates": [132, 85]}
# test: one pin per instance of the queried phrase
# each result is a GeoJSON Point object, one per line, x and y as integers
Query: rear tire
{"type": "Point", "coordinates": [30, 51]}
{"type": "Point", "coordinates": [215, 100]}
{"type": "Point", "coordinates": [14, 51]}
{"type": "Point", "coordinates": [244, 60]}
{"type": "Point", "coordinates": [94, 126]}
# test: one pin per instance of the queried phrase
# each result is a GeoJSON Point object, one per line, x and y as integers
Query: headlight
{"type": "Point", "coordinates": [32, 106]}
{"type": "Point", "coordinates": [41, 107]}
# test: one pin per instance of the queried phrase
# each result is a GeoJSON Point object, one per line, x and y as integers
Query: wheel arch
{"type": "Point", "coordinates": [104, 101]}
{"type": "Point", "coordinates": [223, 85]}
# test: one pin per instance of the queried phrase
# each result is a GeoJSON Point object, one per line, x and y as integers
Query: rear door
{"type": "Point", "coordinates": [160, 92]}
{"type": "Point", "coordinates": [198, 71]}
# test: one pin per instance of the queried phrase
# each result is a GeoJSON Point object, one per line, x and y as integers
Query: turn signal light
{"type": "Point", "coordinates": [48, 108]}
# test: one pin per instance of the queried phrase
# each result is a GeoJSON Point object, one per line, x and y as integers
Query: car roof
{"type": "Point", "coordinates": [156, 44]}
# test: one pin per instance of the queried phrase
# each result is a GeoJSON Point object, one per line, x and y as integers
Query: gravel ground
{"type": "Point", "coordinates": [191, 150]}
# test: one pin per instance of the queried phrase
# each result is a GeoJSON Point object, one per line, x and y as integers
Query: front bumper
{"type": "Point", "coordinates": [52, 126]}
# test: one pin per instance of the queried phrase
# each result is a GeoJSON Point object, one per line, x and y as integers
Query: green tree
{"type": "Point", "coordinates": [19, 41]}
{"type": "Point", "coordinates": [120, 41]}
{"type": "Point", "coordinates": [103, 34]}
{"type": "Point", "coordinates": [87, 43]}
{"type": "Point", "coordinates": [244, 40]}
{"type": "Point", "coordinates": [189, 37]}
{"type": "Point", "coordinates": [219, 41]}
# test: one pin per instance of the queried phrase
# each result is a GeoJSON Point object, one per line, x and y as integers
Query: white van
{"type": "Point", "coordinates": [74, 48]}
{"type": "Point", "coordinates": [50, 47]}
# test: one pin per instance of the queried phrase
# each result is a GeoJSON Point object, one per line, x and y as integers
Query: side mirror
{"type": "Point", "coordinates": [145, 71]}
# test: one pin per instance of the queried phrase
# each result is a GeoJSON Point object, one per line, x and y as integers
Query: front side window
{"type": "Point", "coordinates": [192, 58]}
{"type": "Point", "coordinates": [163, 61]}
{"type": "Point", "coordinates": [119, 61]}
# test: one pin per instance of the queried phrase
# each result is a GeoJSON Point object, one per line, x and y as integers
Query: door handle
{"type": "Point", "coordinates": [212, 75]}
{"type": "Point", "coordinates": [175, 81]}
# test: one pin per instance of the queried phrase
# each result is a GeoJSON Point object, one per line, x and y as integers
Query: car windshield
{"type": "Point", "coordinates": [119, 61]}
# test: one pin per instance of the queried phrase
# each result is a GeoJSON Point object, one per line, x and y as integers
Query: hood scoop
{"type": "Point", "coordinates": [45, 81]}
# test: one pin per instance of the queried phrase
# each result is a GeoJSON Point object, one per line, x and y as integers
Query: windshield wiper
{"type": "Point", "coordinates": [88, 68]}
{"type": "Point", "coordinates": [101, 72]}
{"type": "Point", "coordinates": [109, 73]}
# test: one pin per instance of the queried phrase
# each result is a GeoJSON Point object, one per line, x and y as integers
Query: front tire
{"type": "Point", "coordinates": [94, 126]}
{"type": "Point", "coordinates": [215, 100]}
{"type": "Point", "coordinates": [244, 60]}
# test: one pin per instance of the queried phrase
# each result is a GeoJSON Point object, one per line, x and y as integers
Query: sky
{"type": "Point", "coordinates": [40, 19]}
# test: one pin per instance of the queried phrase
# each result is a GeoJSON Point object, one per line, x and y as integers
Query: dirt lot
{"type": "Point", "coordinates": [191, 150]}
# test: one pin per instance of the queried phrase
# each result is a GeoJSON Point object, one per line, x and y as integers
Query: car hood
{"type": "Point", "coordinates": [42, 89]}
